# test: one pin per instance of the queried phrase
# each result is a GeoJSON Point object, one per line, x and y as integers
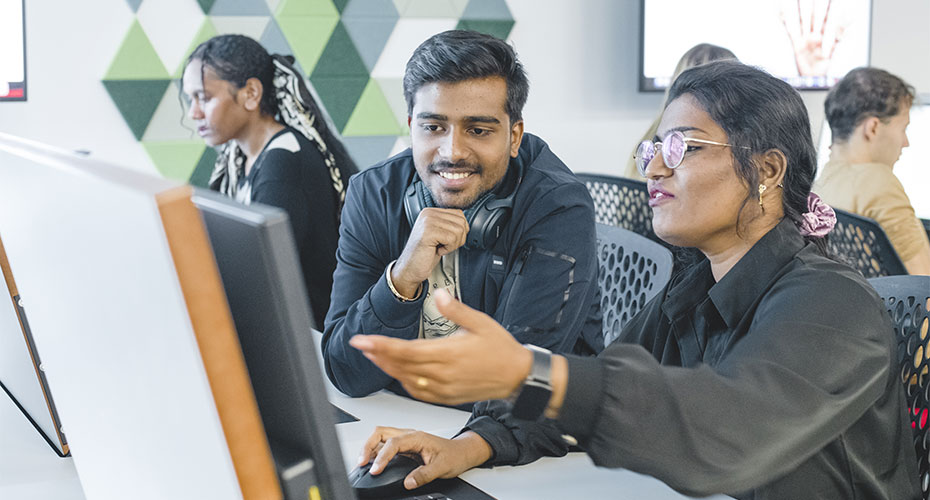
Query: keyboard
{"type": "Point", "coordinates": [428, 496]}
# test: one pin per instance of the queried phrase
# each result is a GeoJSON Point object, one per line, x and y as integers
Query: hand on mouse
{"type": "Point", "coordinates": [442, 458]}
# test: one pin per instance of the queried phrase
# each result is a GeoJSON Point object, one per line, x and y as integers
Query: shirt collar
{"type": "Point", "coordinates": [743, 284]}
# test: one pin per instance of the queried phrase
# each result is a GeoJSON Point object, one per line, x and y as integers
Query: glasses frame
{"type": "Point", "coordinates": [660, 146]}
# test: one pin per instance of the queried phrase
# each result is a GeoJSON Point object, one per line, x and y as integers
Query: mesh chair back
{"type": "Point", "coordinates": [908, 301]}
{"type": "Point", "coordinates": [620, 202]}
{"type": "Point", "coordinates": [631, 270]}
{"type": "Point", "coordinates": [861, 242]}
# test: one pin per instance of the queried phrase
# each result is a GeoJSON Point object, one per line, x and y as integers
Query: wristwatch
{"type": "Point", "coordinates": [534, 394]}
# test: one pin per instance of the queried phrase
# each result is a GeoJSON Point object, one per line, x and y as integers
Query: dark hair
{"type": "Point", "coordinates": [759, 112]}
{"type": "Point", "coordinates": [458, 55]}
{"type": "Point", "coordinates": [236, 58]}
{"type": "Point", "coordinates": [863, 93]}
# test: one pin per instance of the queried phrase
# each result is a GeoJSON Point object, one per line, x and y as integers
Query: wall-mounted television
{"type": "Point", "coordinates": [12, 50]}
{"type": "Point", "coordinates": [808, 43]}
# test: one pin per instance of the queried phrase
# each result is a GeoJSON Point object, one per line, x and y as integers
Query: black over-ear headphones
{"type": "Point", "coordinates": [486, 217]}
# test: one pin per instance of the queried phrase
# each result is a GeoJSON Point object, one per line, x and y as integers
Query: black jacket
{"type": "Point", "coordinates": [780, 381]}
{"type": "Point", "coordinates": [539, 280]}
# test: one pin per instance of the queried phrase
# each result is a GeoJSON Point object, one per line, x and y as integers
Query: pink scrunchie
{"type": "Point", "coordinates": [819, 219]}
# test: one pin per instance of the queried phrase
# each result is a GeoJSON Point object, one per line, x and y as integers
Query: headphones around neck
{"type": "Point", "coordinates": [486, 217]}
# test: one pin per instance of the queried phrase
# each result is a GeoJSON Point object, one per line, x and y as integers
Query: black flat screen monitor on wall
{"type": "Point", "coordinates": [257, 260]}
{"type": "Point", "coordinates": [808, 43]}
{"type": "Point", "coordinates": [12, 50]}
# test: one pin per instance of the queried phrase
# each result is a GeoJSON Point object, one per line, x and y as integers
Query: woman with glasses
{"type": "Point", "coordinates": [767, 370]}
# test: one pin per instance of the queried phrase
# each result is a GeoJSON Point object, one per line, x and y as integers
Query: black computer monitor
{"type": "Point", "coordinates": [257, 259]}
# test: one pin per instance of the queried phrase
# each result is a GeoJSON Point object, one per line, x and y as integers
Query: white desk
{"type": "Point", "coordinates": [29, 469]}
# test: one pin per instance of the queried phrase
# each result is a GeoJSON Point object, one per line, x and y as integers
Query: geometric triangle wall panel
{"type": "Point", "coordinates": [351, 52]}
{"type": "Point", "coordinates": [137, 100]}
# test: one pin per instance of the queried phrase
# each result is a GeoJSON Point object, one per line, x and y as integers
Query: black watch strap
{"type": "Point", "coordinates": [534, 395]}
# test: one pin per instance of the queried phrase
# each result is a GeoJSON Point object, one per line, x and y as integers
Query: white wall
{"type": "Point", "coordinates": [581, 55]}
{"type": "Point", "coordinates": [69, 46]}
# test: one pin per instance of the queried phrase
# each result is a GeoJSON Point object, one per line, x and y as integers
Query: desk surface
{"type": "Point", "coordinates": [30, 469]}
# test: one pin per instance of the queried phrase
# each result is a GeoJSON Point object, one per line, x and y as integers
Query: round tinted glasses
{"type": "Point", "coordinates": [673, 150]}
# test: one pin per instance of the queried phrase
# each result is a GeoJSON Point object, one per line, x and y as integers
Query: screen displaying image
{"type": "Point", "coordinates": [808, 43]}
{"type": "Point", "coordinates": [12, 51]}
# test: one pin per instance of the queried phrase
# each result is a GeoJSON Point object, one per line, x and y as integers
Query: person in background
{"type": "Point", "coordinates": [275, 147]}
{"type": "Point", "coordinates": [767, 370]}
{"type": "Point", "coordinates": [868, 112]}
{"type": "Point", "coordinates": [475, 207]}
{"type": "Point", "coordinates": [701, 53]}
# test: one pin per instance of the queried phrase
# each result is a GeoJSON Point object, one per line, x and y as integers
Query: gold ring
{"type": "Point", "coordinates": [422, 382]}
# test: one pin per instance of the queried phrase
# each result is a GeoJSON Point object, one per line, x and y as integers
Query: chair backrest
{"type": "Point", "coordinates": [862, 243]}
{"type": "Point", "coordinates": [908, 301]}
{"type": "Point", "coordinates": [926, 223]}
{"type": "Point", "coordinates": [620, 202]}
{"type": "Point", "coordinates": [630, 271]}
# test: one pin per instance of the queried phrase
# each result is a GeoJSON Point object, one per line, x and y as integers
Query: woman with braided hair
{"type": "Point", "coordinates": [274, 145]}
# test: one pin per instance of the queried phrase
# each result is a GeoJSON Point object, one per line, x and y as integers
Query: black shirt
{"type": "Point", "coordinates": [780, 381]}
{"type": "Point", "coordinates": [290, 174]}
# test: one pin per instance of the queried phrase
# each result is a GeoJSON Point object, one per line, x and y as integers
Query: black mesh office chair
{"type": "Point", "coordinates": [908, 301]}
{"type": "Point", "coordinates": [620, 202]}
{"type": "Point", "coordinates": [630, 271]}
{"type": "Point", "coordinates": [861, 243]}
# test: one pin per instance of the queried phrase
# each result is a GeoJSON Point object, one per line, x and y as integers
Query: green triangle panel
{"type": "Point", "coordinates": [136, 59]}
{"type": "Point", "coordinates": [303, 8]}
{"type": "Point", "coordinates": [134, 4]}
{"type": "Point", "coordinates": [206, 5]}
{"type": "Point", "coordinates": [175, 159]}
{"type": "Point", "coordinates": [369, 9]}
{"type": "Point", "coordinates": [370, 35]}
{"type": "Point", "coordinates": [307, 37]}
{"type": "Point", "coordinates": [489, 10]}
{"type": "Point", "coordinates": [393, 91]}
{"type": "Point", "coordinates": [500, 29]}
{"type": "Point", "coordinates": [206, 32]}
{"type": "Point", "coordinates": [340, 5]}
{"type": "Point", "coordinates": [339, 96]}
{"type": "Point", "coordinates": [340, 57]}
{"type": "Point", "coordinates": [239, 8]}
{"type": "Point", "coordinates": [372, 115]}
{"type": "Point", "coordinates": [200, 177]}
{"type": "Point", "coordinates": [136, 100]}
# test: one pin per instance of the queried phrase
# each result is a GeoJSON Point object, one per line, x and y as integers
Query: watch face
{"type": "Point", "coordinates": [532, 401]}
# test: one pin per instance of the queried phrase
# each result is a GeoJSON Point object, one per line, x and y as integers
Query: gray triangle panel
{"type": "Point", "coordinates": [134, 4]}
{"type": "Point", "coordinates": [493, 10]}
{"type": "Point", "coordinates": [274, 40]}
{"type": "Point", "coordinates": [370, 35]}
{"type": "Point", "coordinates": [367, 151]}
{"type": "Point", "coordinates": [240, 8]}
{"type": "Point", "coordinates": [370, 8]}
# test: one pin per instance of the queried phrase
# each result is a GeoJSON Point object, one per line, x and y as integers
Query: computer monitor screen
{"type": "Point", "coordinates": [257, 260]}
{"type": "Point", "coordinates": [808, 43]}
{"type": "Point", "coordinates": [12, 51]}
{"type": "Point", "coordinates": [911, 168]}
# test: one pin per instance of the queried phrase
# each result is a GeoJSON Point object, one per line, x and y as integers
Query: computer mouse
{"type": "Point", "coordinates": [390, 481]}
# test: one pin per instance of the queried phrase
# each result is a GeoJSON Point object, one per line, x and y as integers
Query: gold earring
{"type": "Point", "coordinates": [762, 189]}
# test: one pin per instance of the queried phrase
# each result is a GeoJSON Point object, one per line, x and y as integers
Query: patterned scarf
{"type": "Point", "coordinates": [294, 111]}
